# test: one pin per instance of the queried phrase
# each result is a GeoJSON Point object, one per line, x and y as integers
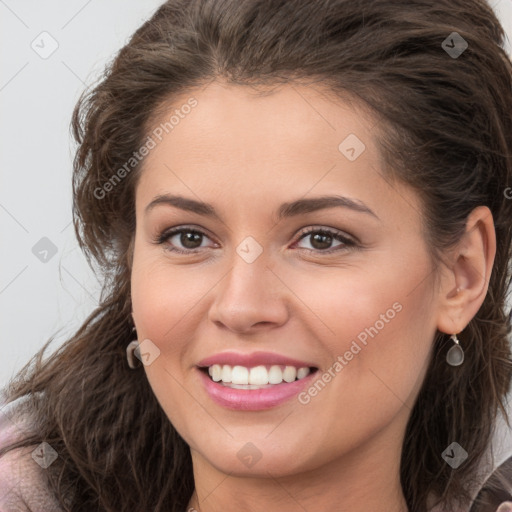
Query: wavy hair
{"type": "Point", "coordinates": [445, 129]}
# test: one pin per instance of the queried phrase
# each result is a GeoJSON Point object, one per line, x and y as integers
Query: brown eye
{"type": "Point", "coordinates": [182, 240]}
{"type": "Point", "coordinates": [321, 240]}
{"type": "Point", "coordinates": [189, 239]}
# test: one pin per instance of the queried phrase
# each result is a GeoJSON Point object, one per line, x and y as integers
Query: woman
{"type": "Point", "coordinates": [302, 214]}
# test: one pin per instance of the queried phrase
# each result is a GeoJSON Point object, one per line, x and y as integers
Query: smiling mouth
{"type": "Point", "coordinates": [257, 377]}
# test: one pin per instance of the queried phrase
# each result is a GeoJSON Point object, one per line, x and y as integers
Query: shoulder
{"type": "Point", "coordinates": [497, 490]}
{"type": "Point", "coordinates": [22, 479]}
{"type": "Point", "coordinates": [496, 469]}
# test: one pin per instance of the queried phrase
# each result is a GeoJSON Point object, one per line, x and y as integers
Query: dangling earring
{"type": "Point", "coordinates": [133, 361]}
{"type": "Point", "coordinates": [455, 355]}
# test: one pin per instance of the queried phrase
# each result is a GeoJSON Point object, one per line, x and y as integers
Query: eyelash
{"type": "Point", "coordinates": [347, 242]}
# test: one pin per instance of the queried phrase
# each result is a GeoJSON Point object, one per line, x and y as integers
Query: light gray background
{"type": "Point", "coordinates": [39, 299]}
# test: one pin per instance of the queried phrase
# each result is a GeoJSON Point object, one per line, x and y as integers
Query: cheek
{"type": "Point", "coordinates": [380, 323]}
{"type": "Point", "coordinates": [383, 336]}
{"type": "Point", "coordinates": [162, 296]}
{"type": "Point", "coordinates": [348, 304]}
{"type": "Point", "coordinates": [163, 302]}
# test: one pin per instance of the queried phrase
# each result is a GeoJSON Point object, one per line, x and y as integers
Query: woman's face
{"type": "Point", "coordinates": [259, 283]}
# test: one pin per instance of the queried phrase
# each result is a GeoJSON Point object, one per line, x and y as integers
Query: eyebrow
{"type": "Point", "coordinates": [286, 210]}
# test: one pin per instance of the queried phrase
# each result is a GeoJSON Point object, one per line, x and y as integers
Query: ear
{"type": "Point", "coordinates": [465, 280]}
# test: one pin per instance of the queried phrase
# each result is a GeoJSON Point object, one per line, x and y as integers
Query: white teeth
{"type": "Point", "coordinates": [275, 375]}
{"type": "Point", "coordinates": [226, 373]}
{"type": "Point", "coordinates": [239, 375]}
{"type": "Point", "coordinates": [258, 375]}
{"type": "Point", "coordinates": [302, 372]}
{"type": "Point", "coordinates": [255, 376]}
{"type": "Point", "coordinates": [289, 374]}
{"type": "Point", "coordinates": [215, 372]}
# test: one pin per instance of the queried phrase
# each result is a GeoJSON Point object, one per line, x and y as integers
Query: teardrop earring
{"type": "Point", "coordinates": [133, 361]}
{"type": "Point", "coordinates": [455, 355]}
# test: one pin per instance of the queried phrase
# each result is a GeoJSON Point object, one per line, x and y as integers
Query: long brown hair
{"type": "Point", "coordinates": [445, 125]}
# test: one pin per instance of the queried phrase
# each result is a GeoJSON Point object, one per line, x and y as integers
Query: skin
{"type": "Point", "coordinates": [340, 451]}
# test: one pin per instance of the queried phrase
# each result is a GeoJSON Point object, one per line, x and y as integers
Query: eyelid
{"type": "Point", "coordinates": [333, 231]}
{"type": "Point", "coordinates": [164, 235]}
{"type": "Point", "coordinates": [348, 241]}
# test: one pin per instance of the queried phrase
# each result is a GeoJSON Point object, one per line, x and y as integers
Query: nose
{"type": "Point", "coordinates": [250, 297]}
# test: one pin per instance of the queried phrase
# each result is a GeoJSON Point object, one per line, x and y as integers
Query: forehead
{"type": "Point", "coordinates": [252, 121]}
{"type": "Point", "coordinates": [245, 144]}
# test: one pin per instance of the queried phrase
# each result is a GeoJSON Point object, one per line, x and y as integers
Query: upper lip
{"type": "Point", "coordinates": [252, 359]}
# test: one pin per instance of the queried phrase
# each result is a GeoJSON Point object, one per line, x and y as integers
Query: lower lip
{"type": "Point", "coordinates": [253, 399]}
